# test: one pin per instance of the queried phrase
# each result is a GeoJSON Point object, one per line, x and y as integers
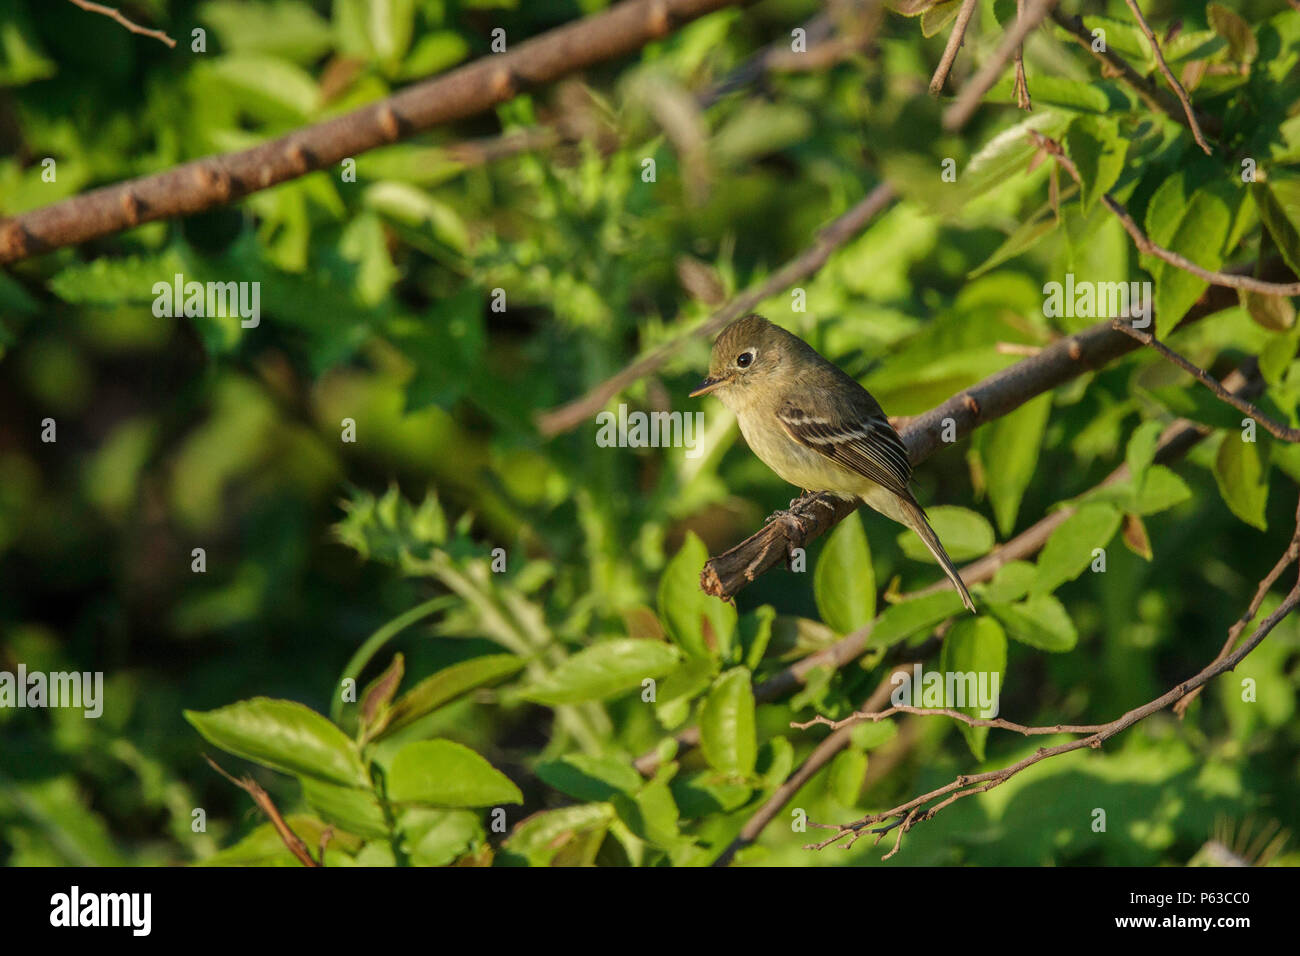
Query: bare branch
{"type": "Point", "coordinates": [840, 230]}
{"type": "Point", "coordinates": [954, 44]}
{"type": "Point", "coordinates": [117, 15]}
{"type": "Point", "coordinates": [216, 180]}
{"type": "Point", "coordinates": [1022, 84]}
{"type": "Point", "coordinates": [1275, 429]}
{"type": "Point", "coordinates": [1171, 79]}
{"type": "Point", "coordinates": [970, 784]}
{"type": "Point", "coordinates": [959, 113]}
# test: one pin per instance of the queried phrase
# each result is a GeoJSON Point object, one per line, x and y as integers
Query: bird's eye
{"type": "Point", "coordinates": [744, 359]}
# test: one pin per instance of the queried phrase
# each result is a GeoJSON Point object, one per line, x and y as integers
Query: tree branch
{"type": "Point", "coordinates": [954, 44]}
{"type": "Point", "coordinates": [1275, 429]}
{"type": "Point", "coordinates": [117, 15]}
{"type": "Point", "coordinates": [966, 785]}
{"type": "Point", "coordinates": [1170, 78]}
{"type": "Point", "coordinates": [216, 180]}
{"type": "Point", "coordinates": [959, 113]}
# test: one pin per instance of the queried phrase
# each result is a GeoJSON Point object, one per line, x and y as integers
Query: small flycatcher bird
{"type": "Point", "coordinates": [815, 426]}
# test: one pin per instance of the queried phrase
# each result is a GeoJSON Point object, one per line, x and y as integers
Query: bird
{"type": "Point", "coordinates": [816, 426]}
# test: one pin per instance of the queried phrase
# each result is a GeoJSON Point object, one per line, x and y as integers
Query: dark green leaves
{"type": "Point", "coordinates": [1074, 545]}
{"type": "Point", "coordinates": [1005, 453]}
{"type": "Point", "coordinates": [1098, 151]}
{"type": "Point", "coordinates": [1193, 222]}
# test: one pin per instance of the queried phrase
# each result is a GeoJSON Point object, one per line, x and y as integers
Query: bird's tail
{"type": "Point", "coordinates": [914, 518]}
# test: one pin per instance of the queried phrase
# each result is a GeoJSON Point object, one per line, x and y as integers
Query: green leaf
{"type": "Point", "coordinates": [443, 773]}
{"type": "Point", "coordinates": [1123, 37]}
{"type": "Point", "coordinates": [844, 583]}
{"type": "Point", "coordinates": [1098, 151]}
{"type": "Point", "coordinates": [965, 535]}
{"type": "Point", "coordinates": [1141, 451]}
{"type": "Point", "coordinates": [349, 808]}
{"type": "Point", "coordinates": [846, 775]}
{"type": "Point", "coordinates": [1006, 453]}
{"type": "Point", "coordinates": [1070, 548]}
{"type": "Point", "coordinates": [589, 778]}
{"type": "Point", "coordinates": [939, 16]}
{"type": "Point", "coordinates": [1194, 224]}
{"type": "Point", "coordinates": [1241, 470]}
{"type": "Point", "coordinates": [375, 699]}
{"type": "Point", "coordinates": [448, 684]}
{"type": "Point", "coordinates": [538, 839]}
{"type": "Point", "coordinates": [901, 621]}
{"type": "Point", "coordinates": [727, 730]}
{"type": "Point", "coordinates": [699, 624]}
{"type": "Point", "coordinates": [1278, 202]}
{"type": "Point", "coordinates": [285, 736]}
{"type": "Point", "coordinates": [975, 645]}
{"type": "Point", "coordinates": [1012, 582]}
{"type": "Point", "coordinates": [1041, 622]}
{"type": "Point", "coordinates": [603, 670]}
{"type": "Point", "coordinates": [438, 837]}
{"type": "Point", "coordinates": [1229, 24]}
{"type": "Point", "coordinates": [677, 690]}
{"type": "Point", "coordinates": [755, 631]}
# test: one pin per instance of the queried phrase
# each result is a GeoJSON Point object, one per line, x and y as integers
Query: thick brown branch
{"type": "Point", "coordinates": [840, 230]}
{"type": "Point", "coordinates": [117, 15]}
{"type": "Point", "coordinates": [466, 91]}
{"type": "Point", "coordinates": [959, 113]}
{"type": "Point", "coordinates": [1171, 79]}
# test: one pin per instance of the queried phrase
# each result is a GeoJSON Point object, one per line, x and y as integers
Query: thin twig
{"type": "Point", "coordinates": [1171, 79]}
{"type": "Point", "coordinates": [1146, 246]}
{"type": "Point", "coordinates": [1151, 94]}
{"type": "Point", "coordinates": [861, 715]}
{"type": "Point", "coordinates": [954, 44]}
{"type": "Point", "coordinates": [840, 230]}
{"type": "Point", "coordinates": [970, 784]}
{"type": "Point", "coordinates": [959, 113]}
{"type": "Point", "coordinates": [1276, 429]}
{"type": "Point", "coordinates": [264, 802]}
{"type": "Point", "coordinates": [1022, 84]}
{"type": "Point", "coordinates": [114, 14]}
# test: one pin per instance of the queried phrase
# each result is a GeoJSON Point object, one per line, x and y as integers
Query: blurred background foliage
{"type": "Point", "coordinates": [374, 559]}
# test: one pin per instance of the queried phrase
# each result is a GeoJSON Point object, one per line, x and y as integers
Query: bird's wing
{"type": "Point", "coordinates": [866, 444]}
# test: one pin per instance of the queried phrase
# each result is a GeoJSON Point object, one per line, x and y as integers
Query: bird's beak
{"type": "Point", "coordinates": [708, 385]}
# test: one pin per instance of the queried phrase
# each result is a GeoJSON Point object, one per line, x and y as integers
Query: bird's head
{"type": "Point", "coordinates": [746, 353]}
